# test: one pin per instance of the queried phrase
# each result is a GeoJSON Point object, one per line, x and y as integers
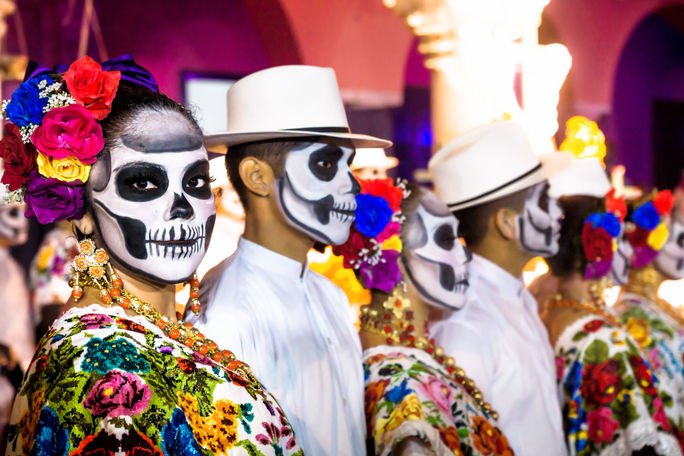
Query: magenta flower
{"type": "Point", "coordinates": [597, 269]}
{"type": "Point", "coordinates": [118, 393]}
{"type": "Point", "coordinates": [390, 230]}
{"type": "Point", "coordinates": [601, 426]}
{"type": "Point", "coordinates": [70, 130]}
{"type": "Point", "coordinates": [93, 321]}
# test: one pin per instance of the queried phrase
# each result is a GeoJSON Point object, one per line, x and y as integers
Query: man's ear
{"type": "Point", "coordinates": [85, 224]}
{"type": "Point", "coordinates": [506, 223]}
{"type": "Point", "coordinates": [257, 175]}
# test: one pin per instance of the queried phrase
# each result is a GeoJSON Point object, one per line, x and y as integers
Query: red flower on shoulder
{"type": "Point", "coordinates": [600, 382]}
{"type": "Point", "coordinates": [385, 189]}
{"type": "Point", "coordinates": [663, 202]}
{"type": "Point", "coordinates": [92, 87]}
{"type": "Point", "coordinates": [186, 365]}
{"type": "Point", "coordinates": [643, 375]}
{"type": "Point", "coordinates": [601, 426]}
{"type": "Point", "coordinates": [593, 326]}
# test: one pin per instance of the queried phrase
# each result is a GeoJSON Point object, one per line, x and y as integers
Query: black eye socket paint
{"type": "Point", "coordinates": [141, 182]}
{"type": "Point", "coordinates": [196, 180]}
{"type": "Point", "coordinates": [444, 237]}
{"type": "Point", "coordinates": [544, 198]}
{"type": "Point", "coordinates": [323, 163]}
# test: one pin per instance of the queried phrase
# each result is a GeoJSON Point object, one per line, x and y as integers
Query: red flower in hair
{"type": "Point", "coordinates": [349, 251]}
{"type": "Point", "coordinates": [383, 188]}
{"type": "Point", "coordinates": [19, 158]}
{"type": "Point", "coordinates": [597, 243]}
{"type": "Point", "coordinates": [663, 202]}
{"type": "Point", "coordinates": [638, 236]}
{"type": "Point", "coordinates": [616, 206]}
{"type": "Point", "coordinates": [92, 87]}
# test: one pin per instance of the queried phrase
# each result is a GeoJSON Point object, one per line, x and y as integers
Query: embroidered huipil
{"type": "Point", "coordinates": [103, 382]}
{"type": "Point", "coordinates": [661, 340]}
{"type": "Point", "coordinates": [410, 395]}
{"type": "Point", "coordinates": [292, 326]}
{"type": "Point", "coordinates": [613, 405]}
{"type": "Point", "coordinates": [500, 342]}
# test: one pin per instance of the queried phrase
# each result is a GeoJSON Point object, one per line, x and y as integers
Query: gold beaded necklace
{"type": "Point", "coordinates": [596, 305]}
{"type": "Point", "coordinates": [93, 269]}
{"type": "Point", "coordinates": [393, 321]}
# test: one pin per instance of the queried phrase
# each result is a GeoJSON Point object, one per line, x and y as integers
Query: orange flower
{"type": "Point", "coordinates": [96, 271]}
{"type": "Point", "coordinates": [451, 439]}
{"type": "Point", "coordinates": [374, 392]}
{"type": "Point", "coordinates": [488, 440]}
{"type": "Point", "coordinates": [86, 246]}
{"type": "Point", "coordinates": [101, 256]}
{"type": "Point", "coordinates": [80, 263]}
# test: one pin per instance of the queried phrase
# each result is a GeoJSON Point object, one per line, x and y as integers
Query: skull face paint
{"type": "Point", "coordinates": [13, 225]}
{"type": "Point", "coordinates": [540, 223]}
{"type": "Point", "coordinates": [152, 201]}
{"type": "Point", "coordinates": [670, 260]}
{"type": "Point", "coordinates": [317, 191]}
{"type": "Point", "coordinates": [619, 268]}
{"type": "Point", "coordinates": [434, 259]}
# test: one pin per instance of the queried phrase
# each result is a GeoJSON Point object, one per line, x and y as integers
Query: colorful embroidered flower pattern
{"type": "Point", "coordinates": [407, 389]}
{"type": "Point", "coordinates": [608, 388]}
{"type": "Point", "coordinates": [113, 381]}
{"type": "Point", "coordinates": [648, 232]}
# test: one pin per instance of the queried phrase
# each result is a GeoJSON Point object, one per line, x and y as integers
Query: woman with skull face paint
{"type": "Point", "coordinates": [118, 372]}
{"type": "Point", "coordinates": [404, 248]}
{"type": "Point", "coordinates": [612, 402]}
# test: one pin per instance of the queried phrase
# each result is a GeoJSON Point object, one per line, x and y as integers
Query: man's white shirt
{"type": "Point", "coordinates": [500, 342]}
{"type": "Point", "coordinates": [293, 327]}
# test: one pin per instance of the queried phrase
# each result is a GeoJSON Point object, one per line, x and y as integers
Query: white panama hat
{"type": "Point", "coordinates": [373, 157]}
{"type": "Point", "coordinates": [486, 163]}
{"type": "Point", "coordinates": [288, 101]}
{"type": "Point", "coordinates": [583, 177]}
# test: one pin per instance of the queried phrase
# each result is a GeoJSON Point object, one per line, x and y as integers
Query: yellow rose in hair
{"type": "Point", "coordinates": [658, 236]}
{"type": "Point", "coordinates": [392, 243]}
{"type": "Point", "coordinates": [65, 169]}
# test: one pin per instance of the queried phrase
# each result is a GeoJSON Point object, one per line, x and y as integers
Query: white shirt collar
{"type": "Point", "coordinates": [271, 262]}
{"type": "Point", "coordinates": [505, 282]}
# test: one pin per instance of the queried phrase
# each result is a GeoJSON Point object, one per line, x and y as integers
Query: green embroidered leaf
{"type": "Point", "coordinates": [201, 385]}
{"type": "Point", "coordinates": [659, 325]}
{"type": "Point", "coordinates": [152, 420]}
{"type": "Point", "coordinates": [579, 336]}
{"type": "Point", "coordinates": [249, 447]}
{"type": "Point", "coordinates": [597, 352]}
{"type": "Point", "coordinates": [667, 399]}
{"type": "Point", "coordinates": [80, 425]}
{"type": "Point", "coordinates": [624, 413]}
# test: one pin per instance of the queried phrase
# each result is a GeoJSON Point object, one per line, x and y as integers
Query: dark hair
{"type": "Point", "coordinates": [570, 257]}
{"type": "Point", "coordinates": [474, 220]}
{"type": "Point", "coordinates": [272, 151]}
{"type": "Point", "coordinates": [131, 100]}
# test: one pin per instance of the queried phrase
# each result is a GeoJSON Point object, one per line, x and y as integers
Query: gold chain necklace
{"type": "Point", "coordinates": [93, 269]}
{"type": "Point", "coordinates": [393, 321]}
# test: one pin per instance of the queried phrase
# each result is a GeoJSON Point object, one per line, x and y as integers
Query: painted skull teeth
{"type": "Point", "coordinates": [176, 242]}
{"type": "Point", "coordinates": [345, 212]}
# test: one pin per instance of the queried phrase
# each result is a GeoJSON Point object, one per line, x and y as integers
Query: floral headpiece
{"type": "Point", "coordinates": [648, 231]}
{"type": "Point", "coordinates": [54, 137]}
{"type": "Point", "coordinates": [599, 240]}
{"type": "Point", "coordinates": [374, 245]}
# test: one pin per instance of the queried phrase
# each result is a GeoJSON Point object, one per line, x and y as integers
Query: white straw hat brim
{"type": "Point", "coordinates": [226, 139]}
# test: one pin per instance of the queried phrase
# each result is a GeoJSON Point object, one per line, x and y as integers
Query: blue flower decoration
{"type": "Point", "coordinates": [104, 355]}
{"type": "Point", "coordinates": [373, 213]}
{"type": "Point", "coordinates": [177, 438]}
{"type": "Point", "coordinates": [398, 393]}
{"type": "Point", "coordinates": [646, 216]}
{"type": "Point", "coordinates": [51, 438]}
{"type": "Point", "coordinates": [26, 106]}
{"type": "Point", "coordinates": [607, 221]}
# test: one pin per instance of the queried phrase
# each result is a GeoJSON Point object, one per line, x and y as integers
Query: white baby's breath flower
{"type": "Point", "coordinates": [26, 132]}
{"type": "Point", "coordinates": [15, 197]}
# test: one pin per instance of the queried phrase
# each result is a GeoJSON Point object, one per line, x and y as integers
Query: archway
{"type": "Point", "coordinates": [648, 100]}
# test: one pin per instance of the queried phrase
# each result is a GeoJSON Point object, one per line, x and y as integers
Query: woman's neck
{"type": "Point", "coordinates": [644, 282]}
{"type": "Point", "coordinates": [162, 297]}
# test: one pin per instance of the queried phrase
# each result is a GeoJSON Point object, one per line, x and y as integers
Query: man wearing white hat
{"type": "Point", "coordinates": [372, 163]}
{"type": "Point", "coordinates": [497, 188]}
{"type": "Point", "coordinates": [289, 151]}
